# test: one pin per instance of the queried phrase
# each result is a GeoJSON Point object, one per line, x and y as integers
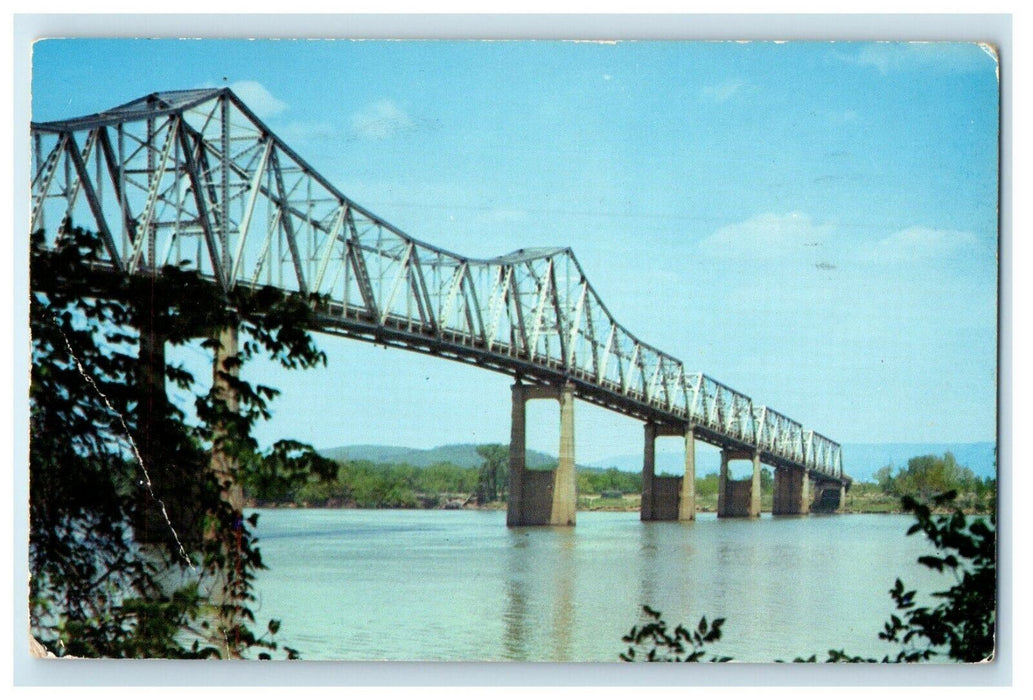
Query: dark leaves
{"type": "Point", "coordinates": [684, 644]}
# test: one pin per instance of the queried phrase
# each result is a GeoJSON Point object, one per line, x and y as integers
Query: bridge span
{"type": "Point", "coordinates": [194, 178]}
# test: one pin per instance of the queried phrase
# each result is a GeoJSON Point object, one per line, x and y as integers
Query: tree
{"type": "Point", "coordinates": [493, 477]}
{"type": "Point", "coordinates": [276, 475]}
{"type": "Point", "coordinates": [767, 481]}
{"type": "Point", "coordinates": [130, 534]}
{"type": "Point", "coordinates": [927, 475]}
{"type": "Point", "coordinates": [884, 478]}
{"type": "Point", "coordinates": [962, 627]}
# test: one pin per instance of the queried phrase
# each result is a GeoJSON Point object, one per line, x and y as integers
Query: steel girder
{"type": "Point", "coordinates": [194, 178]}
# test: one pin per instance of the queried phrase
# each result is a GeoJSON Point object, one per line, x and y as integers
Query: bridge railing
{"type": "Point", "coordinates": [195, 178]}
{"type": "Point", "coordinates": [779, 435]}
{"type": "Point", "coordinates": [822, 454]}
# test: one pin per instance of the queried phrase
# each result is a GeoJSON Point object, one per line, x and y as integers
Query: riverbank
{"type": "Point", "coordinates": [629, 504]}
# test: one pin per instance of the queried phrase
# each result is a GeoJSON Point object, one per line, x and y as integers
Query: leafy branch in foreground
{"type": "Point", "coordinates": [657, 644]}
{"type": "Point", "coordinates": [961, 627]}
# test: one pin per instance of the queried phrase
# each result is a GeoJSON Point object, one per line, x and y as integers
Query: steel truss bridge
{"type": "Point", "coordinates": [194, 177]}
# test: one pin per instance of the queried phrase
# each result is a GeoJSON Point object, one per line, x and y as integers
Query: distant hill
{"type": "Point", "coordinates": [459, 455]}
{"type": "Point", "coordinates": [860, 460]}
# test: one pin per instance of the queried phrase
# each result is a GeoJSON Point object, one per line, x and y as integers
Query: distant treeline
{"type": "Point", "coordinates": [365, 484]}
{"type": "Point", "coordinates": [922, 478]}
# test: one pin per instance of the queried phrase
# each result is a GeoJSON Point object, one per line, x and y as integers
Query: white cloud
{"type": "Point", "coordinates": [380, 120]}
{"type": "Point", "coordinates": [258, 99]}
{"type": "Point", "coordinates": [723, 91]}
{"type": "Point", "coordinates": [920, 243]}
{"type": "Point", "coordinates": [795, 236]}
{"type": "Point", "coordinates": [766, 237]}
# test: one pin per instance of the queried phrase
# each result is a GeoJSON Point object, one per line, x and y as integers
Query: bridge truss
{"type": "Point", "coordinates": [195, 178]}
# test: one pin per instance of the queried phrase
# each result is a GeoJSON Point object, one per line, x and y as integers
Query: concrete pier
{"type": "Point", "coordinates": [564, 494]}
{"type": "Point", "coordinates": [791, 492]}
{"type": "Point", "coordinates": [829, 496]}
{"type": "Point", "coordinates": [755, 487]}
{"type": "Point", "coordinates": [739, 498]}
{"type": "Point", "coordinates": [668, 497]}
{"type": "Point", "coordinates": [539, 497]}
{"type": "Point", "coordinates": [687, 497]}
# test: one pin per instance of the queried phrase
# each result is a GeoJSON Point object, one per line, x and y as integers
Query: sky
{"type": "Point", "coordinates": [812, 223]}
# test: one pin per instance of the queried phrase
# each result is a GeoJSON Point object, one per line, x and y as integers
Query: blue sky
{"type": "Point", "coordinates": [812, 223]}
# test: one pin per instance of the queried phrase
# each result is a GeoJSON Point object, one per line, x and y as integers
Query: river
{"type": "Point", "coordinates": [423, 585]}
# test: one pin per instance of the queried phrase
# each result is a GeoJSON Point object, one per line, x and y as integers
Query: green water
{"type": "Point", "coordinates": [461, 586]}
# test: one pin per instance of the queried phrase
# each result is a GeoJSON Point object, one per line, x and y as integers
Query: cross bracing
{"type": "Point", "coordinates": [194, 178]}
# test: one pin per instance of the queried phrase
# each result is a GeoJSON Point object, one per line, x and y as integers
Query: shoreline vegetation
{"type": "Point", "coordinates": [363, 484]}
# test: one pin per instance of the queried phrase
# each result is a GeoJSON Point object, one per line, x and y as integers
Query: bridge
{"type": "Point", "coordinates": [194, 178]}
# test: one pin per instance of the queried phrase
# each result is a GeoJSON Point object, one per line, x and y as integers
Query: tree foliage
{"type": "Point", "coordinates": [365, 484]}
{"type": "Point", "coordinates": [133, 548]}
{"type": "Point", "coordinates": [611, 479]}
{"type": "Point", "coordinates": [493, 477]}
{"type": "Point", "coordinates": [928, 475]}
{"type": "Point", "coordinates": [276, 475]}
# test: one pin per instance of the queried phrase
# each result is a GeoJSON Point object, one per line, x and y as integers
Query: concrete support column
{"type": "Point", "coordinates": [646, 510]}
{"type": "Point", "coordinates": [517, 457]}
{"type": "Point", "coordinates": [542, 497]}
{"type": "Point", "coordinates": [225, 369]}
{"type": "Point", "coordinates": [835, 502]}
{"type": "Point", "coordinates": [739, 498]}
{"type": "Point", "coordinates": [805, 493]}
{"type": "Point", "coordinates": [564, 494]}
{"type": "Point", "coordinates": [780, 498]}
{"type": "Point", "coordinates": [792, 495]}
{"type": "Point", "coordinates": [722, 486]}
{"type": "Point", "coordinates": [755, 487]}
{"type": "Point", "coordinates": [829, 495]}
{"type": "Point", "coordinates": [687, 497]}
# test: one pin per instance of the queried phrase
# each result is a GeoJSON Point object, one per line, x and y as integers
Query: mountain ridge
{"type": "Point", "coordinates": [860, 460]}
{"type": "Point", "coordinates": [459, 454]}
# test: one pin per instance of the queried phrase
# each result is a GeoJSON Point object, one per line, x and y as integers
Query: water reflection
{"type": "Point", "coordinates": [564, 580]}
{"type": "Point", "coordinates": [514, 638]}
{"type": "Point", "coordinates": [539, 618]}
{"type": "Point", "coordinates": [469, 588]}
{"type": "Point", "coordinates": [647, 563]}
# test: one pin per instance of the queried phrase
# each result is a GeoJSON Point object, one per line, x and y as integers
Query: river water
{"type": "Point", "coordinates": [421, 585]}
